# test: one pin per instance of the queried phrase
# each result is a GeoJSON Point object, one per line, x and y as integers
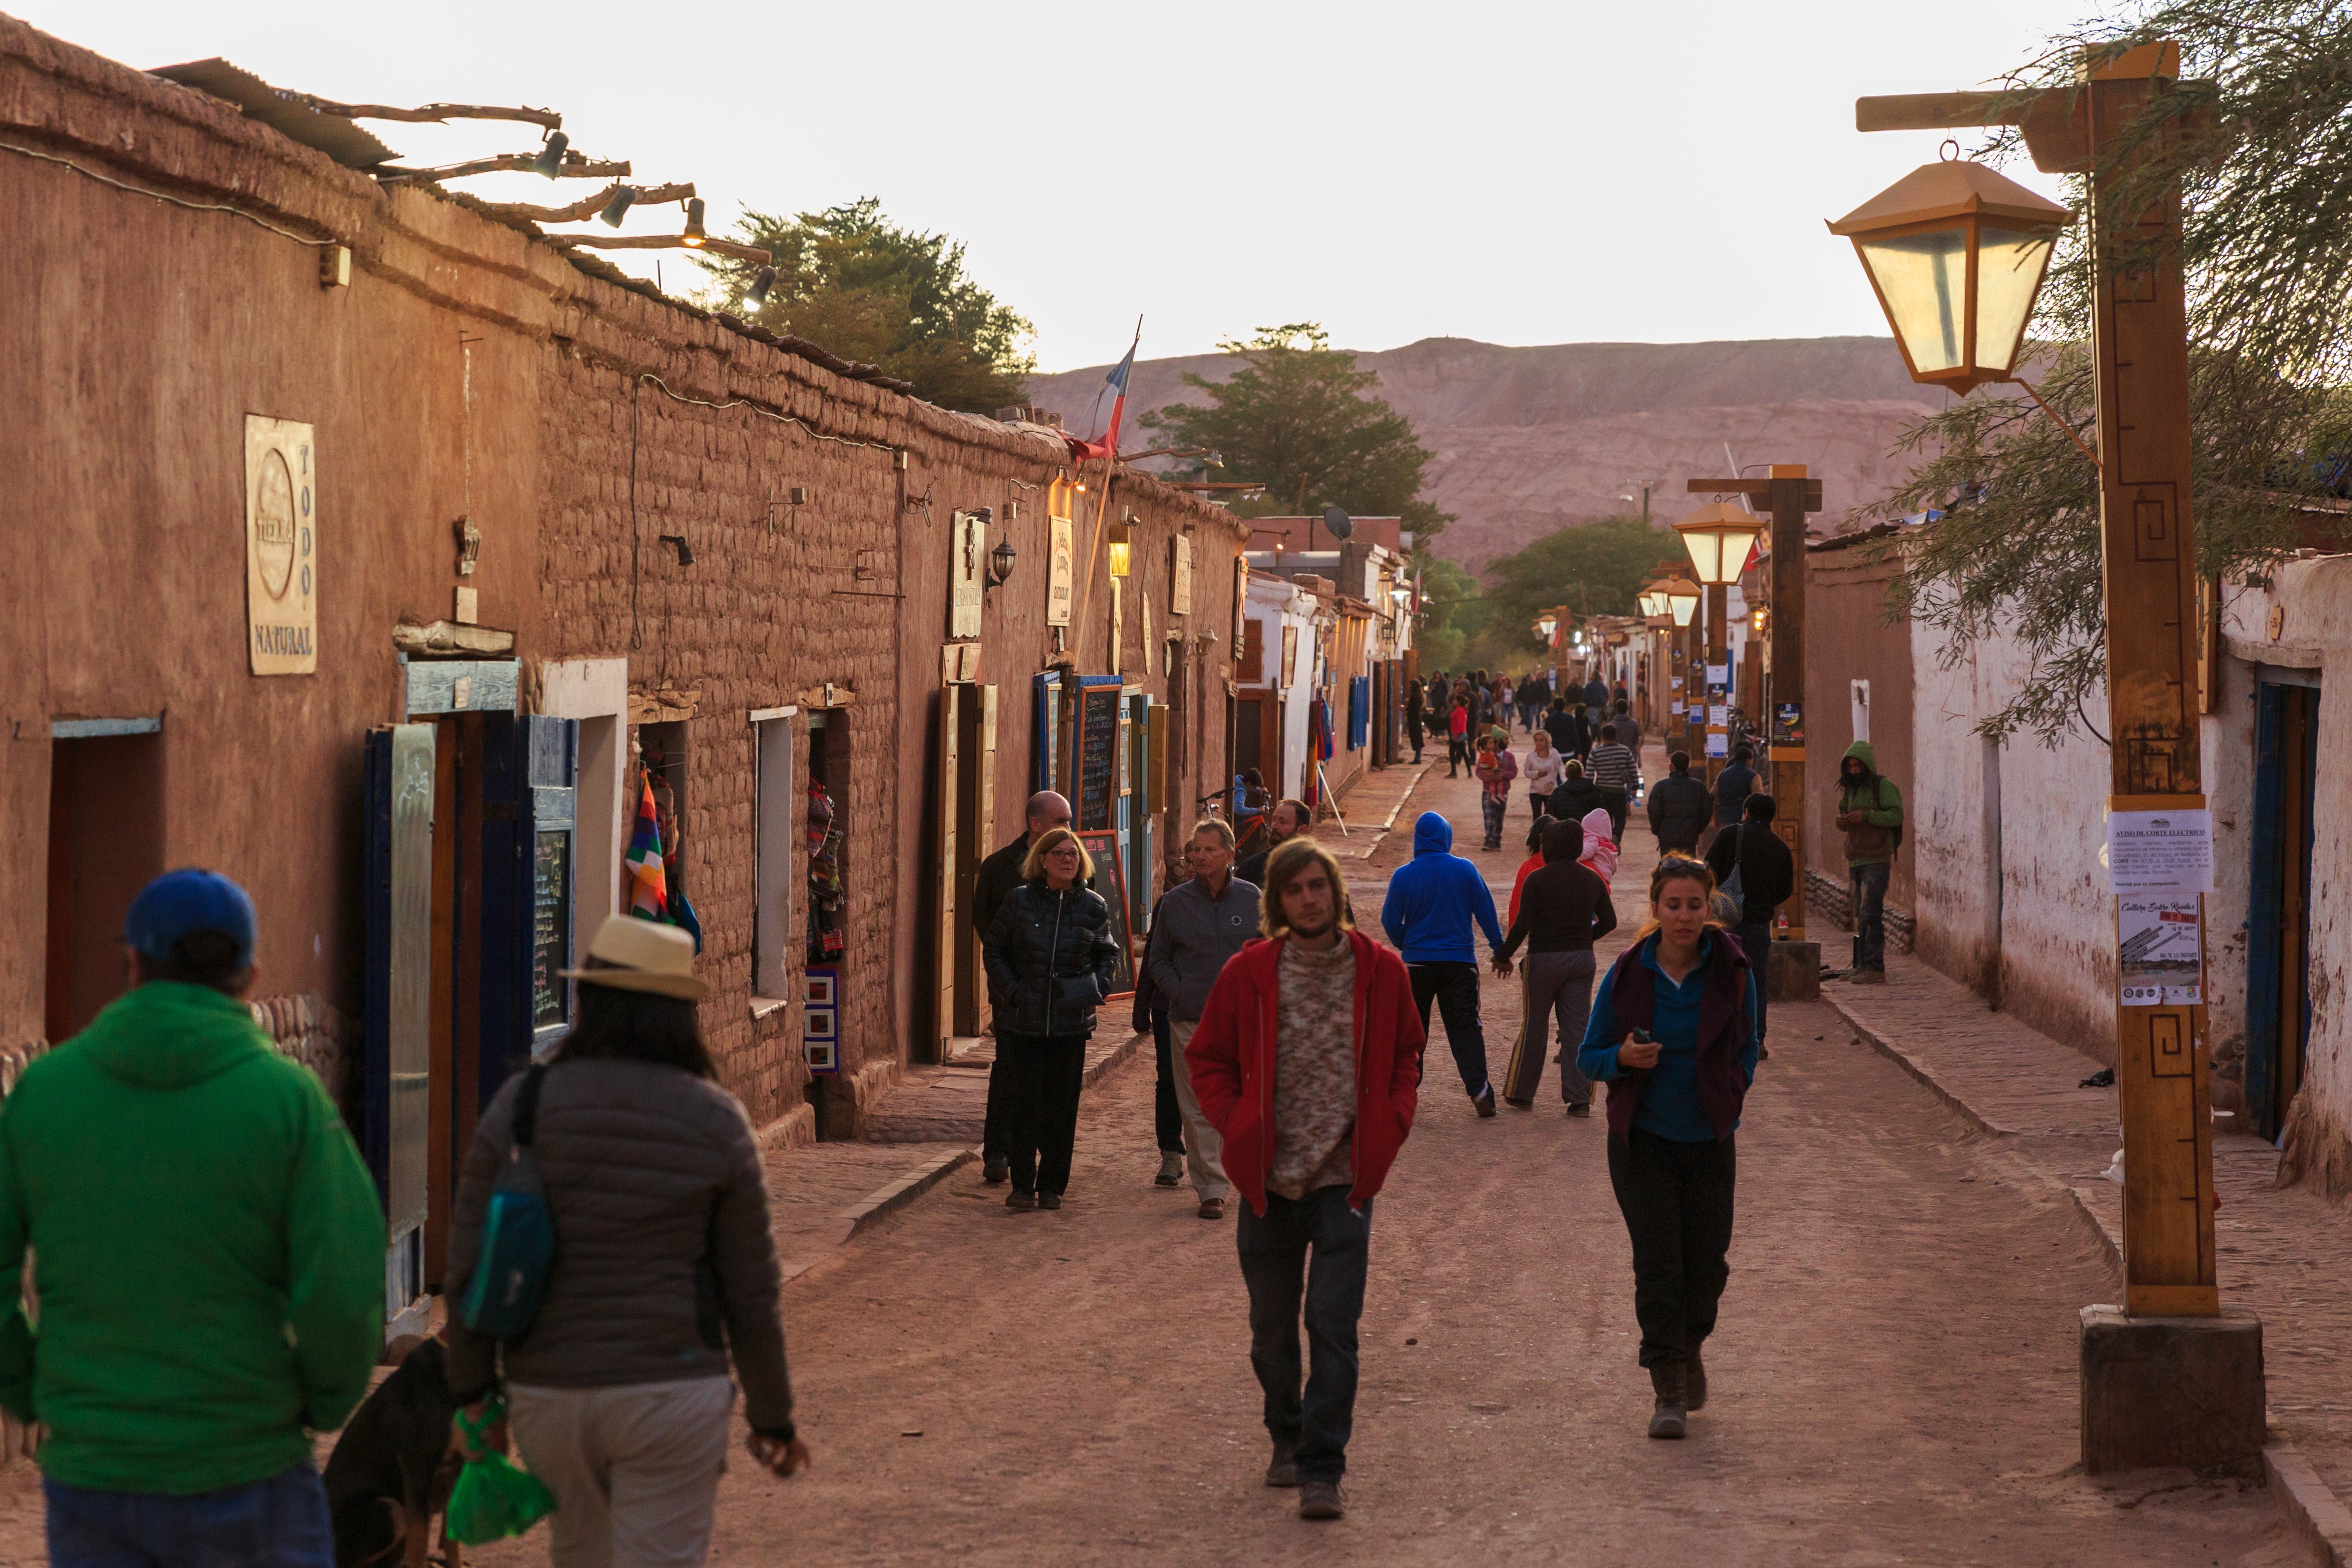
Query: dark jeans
{"type": "Point", "coordinates": [1454, 988]}
{"type": "Point", "coordinates": [1277, 1268]}
{"type": "Point", "coordinates": [1413, 727]}
{"type": "Point", "coordinates": [1456, 754]}
{"type": "Point", "coordinates": [1756, 941]}
{"type": "Point", "coordinates": [1048, 1071]}
{"type": "Point", "coordinates": [1676, 1200]}
{"type": "Point", "coordinates": [277, 1523]}
{"type": "Point", "coordinates": [995, 1131]}
{"type": "Point", "coordinates": [1167, 1119]}
{"type": "Point", "coordinates": [1869, 888]}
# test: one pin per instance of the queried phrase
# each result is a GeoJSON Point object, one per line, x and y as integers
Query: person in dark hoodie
{"type": "Point", "coordinates": [1870, 812]}
{"type": "Point", "coordinates": [1561, 910]}
{"type": "Point", "coordinates": [1427, 917]}
{"type": "Point", "coordinates": [1679, 808]}
{"type": "Point", "coordinates": [1673, 1037]}
{"type": "Point", "coordinates": [1767, 876]}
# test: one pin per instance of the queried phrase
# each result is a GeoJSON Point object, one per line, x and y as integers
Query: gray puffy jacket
{"type": "Point", "coordinates": [664, 1259]}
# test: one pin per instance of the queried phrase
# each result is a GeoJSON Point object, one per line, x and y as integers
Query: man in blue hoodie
{"type": "Point", "coordinates": [1427, 917]}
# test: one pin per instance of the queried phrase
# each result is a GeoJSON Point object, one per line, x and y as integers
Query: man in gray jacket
{"type": "Point", "coordinates": [1201, 924]}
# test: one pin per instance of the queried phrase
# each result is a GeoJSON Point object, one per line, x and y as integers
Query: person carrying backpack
{"type": "Point", "coordinates": [1870, 813]}
{"type": "Point", "coordinates": [1757, 870]}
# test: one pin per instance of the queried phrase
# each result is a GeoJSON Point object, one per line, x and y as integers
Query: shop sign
{"type": "Point", "coordinates": [1061, 571]}
{"type": "Point", "coordinates": [281, 555]}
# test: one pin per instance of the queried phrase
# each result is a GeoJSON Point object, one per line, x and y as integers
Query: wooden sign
{"type": "Point", "coordinates": [967, 562]}
{"type": "Point", "coordinates": [281, 555]}
{"type": "Point", "coordinates": [1061, 571]}
{"type": "Point", "coordinates": [1097, 752]}
{"type": "Point", "coordinates": [1180, 576]}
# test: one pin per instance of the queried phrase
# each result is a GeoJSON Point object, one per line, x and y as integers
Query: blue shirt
{"type": "Point", "coordinates": [1670, 1106]}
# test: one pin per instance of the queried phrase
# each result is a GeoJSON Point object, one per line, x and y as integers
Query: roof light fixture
{"type": "Point", "coordinates": [549, 161]}
{"type": "Point", "coordinates": [694, 233]}
{"type": "Point", "coordinates": [757, 294]}
{"type": "Point", "coordinates": [623, 196]}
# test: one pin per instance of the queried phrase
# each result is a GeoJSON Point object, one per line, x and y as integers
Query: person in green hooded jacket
{"type": "Point", "coordinates": [207, 1255]}
{"type": "Point", "coordinates": [1870, 812]}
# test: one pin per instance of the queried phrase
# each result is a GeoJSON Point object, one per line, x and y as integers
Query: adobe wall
{"type": "Point", "coordinates": [1848, 637]}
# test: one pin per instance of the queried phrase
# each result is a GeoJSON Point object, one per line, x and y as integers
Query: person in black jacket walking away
{"type": "Point", "coordinates": [1733, 785]}
{"type": "Point", "coordinates": [1679, 808]}
{"type": "Point", "coordinates": [1767, 876]}
{"type": "Point", "coordinates": [1050, 951]}
{"type": "Point", "coordinates": [998, 875]}
{"type": "Point", "coordinates": [1413, 716]}
{"type": "Point", "coordinates": [1570, 736]}
{"type": "Point", "coordinates": [1564, 909]}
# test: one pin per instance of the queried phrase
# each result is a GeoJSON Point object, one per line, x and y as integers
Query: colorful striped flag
{"type": "Point", "coordinates": [648, 889]}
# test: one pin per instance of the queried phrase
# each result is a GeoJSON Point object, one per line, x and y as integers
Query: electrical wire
{"type": "Point", "coordinates": [648, 378]}
{"type": "Point", "coordinates": [161, 196]}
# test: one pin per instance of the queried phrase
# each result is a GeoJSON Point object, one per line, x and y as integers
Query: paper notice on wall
{"type": "Point", "coordinates": [1676, 707]}
{"type": "Point", "coordinates": [1675, 682]}
{"type": "Point", "coordinates": [2159, 957]}
{"type": "Point", "coordinates": [1718, 715]}
{"type": "Point", "coordinates": [2161, 852]}
{"type": "Point", "coordinates": [1718, 675]}
{"type": "Point", "coordinates": [1718, 745]}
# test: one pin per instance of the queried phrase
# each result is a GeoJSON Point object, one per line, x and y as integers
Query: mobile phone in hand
{"type": "Point", "coordinates": [1641, 1037]}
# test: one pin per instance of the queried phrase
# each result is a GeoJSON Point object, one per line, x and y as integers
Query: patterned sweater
{"type": "Point", "coordinates": [1314, 1070]}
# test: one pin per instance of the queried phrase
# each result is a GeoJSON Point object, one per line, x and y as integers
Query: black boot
{"type": "Point", "coordinates": [1694, 1381]}
{"type": "Point", "coordinates": [1668, 1420]}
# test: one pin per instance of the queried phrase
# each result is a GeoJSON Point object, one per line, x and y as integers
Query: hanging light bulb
{"type": "Point", "coordinates": [624, 197]}
{"type": "Point", "coordinates": [757, 295]}
{"type": "Point", "coordinates": [695, 234]}
{"type": "Point", "coordinates": [551, 156]}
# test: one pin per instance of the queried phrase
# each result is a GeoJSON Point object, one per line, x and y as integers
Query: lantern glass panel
{"type": "Point", "coordinates": [1706, 545]}
{"type": "Point", "coordinates": [2009, 265]}
{"type": "Point", "coordinates": [1924, 279]}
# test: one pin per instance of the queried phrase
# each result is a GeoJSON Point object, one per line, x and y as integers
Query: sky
{"type": "Point", "coordinates": [1532, 173]}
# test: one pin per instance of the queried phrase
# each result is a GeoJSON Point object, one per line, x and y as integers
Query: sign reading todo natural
{"type": "Point", "coordinates": [281, 547]}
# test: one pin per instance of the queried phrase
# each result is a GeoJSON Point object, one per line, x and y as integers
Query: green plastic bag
{"type": "Point", "coordinates": [493, 1499]}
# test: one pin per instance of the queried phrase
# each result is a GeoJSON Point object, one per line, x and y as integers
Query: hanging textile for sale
{"type": "Point", "coordinates": [648, 889]}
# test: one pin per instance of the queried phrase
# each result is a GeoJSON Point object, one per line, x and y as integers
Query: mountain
{"type": "Point", "coordinates": [1528, 439]}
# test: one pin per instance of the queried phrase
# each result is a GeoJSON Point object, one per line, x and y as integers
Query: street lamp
{"type": "Point", "coordinates": [1956, 253]}
{"type": "Point", "coordinates": [1719, 537]}
{"type": "Point", "coordinates": [1682, 601]}
{"type": "Point", "coordinates": [1652, 599]}
{"type": "Point", "coordinates": [1546, 624]}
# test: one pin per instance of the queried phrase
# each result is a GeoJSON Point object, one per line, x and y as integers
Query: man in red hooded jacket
{"type": "Point", "coordinates": [1307, 1062]}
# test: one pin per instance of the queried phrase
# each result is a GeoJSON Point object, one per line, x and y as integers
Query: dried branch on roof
{"type": "Point", "coordinates": [428, 114]}
{"type": "Point", "coordinates": [589, 206]}
{"type": "Point", "coordinates": [664, 242]}
{"type": "Point", "coordinates": [575, 167]}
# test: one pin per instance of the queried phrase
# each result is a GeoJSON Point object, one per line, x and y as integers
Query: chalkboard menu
{"type": "Point", "coordinates": [1110, 881]}
{"type": "Point", "coordinates": [550, 926]}
{"type": "Point", "coordinates": [1097, 754]}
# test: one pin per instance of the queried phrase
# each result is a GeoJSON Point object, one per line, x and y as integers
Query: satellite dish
{"type": "Point", "coordinates": [1338, 523]}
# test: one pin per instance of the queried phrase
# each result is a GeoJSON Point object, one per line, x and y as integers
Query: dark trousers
{"type": "Point", "coordinates": [1869, 889]}
{"type": "Point", "coordinates": [1454, 988]}
{"type": "Point", "coordinates": [1676, 1200]}
{"type": "Point", "coordinates": [1756, 941]}
{"type": "Point", "coordinates": [1413, 727]}
{"type": "Point", "coordinates": [282, 1522]}
{"type": "Point", "coordinates": [1456, 754]}
{"type": "Point", "coordinates": [1167, 1118]}
{"type": "Point", "coordinates": [1277, 1267]}
{"type": "Point", "coordinates": [1048, 1071]}
{"type": "Point", "coordinates": [995, 1129]}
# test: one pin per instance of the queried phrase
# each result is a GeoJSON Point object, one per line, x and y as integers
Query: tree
{"type": "Point", "coordinates": [1453, 612]}
{"type": "Point", "coordinates": [2269, 263]}
{"type": "Point", "coordinates": [1594, 568]}
{"type": "Point", "coordinates": [850, 280]}
{"type": "Point", "coordinates": [1293, 418]}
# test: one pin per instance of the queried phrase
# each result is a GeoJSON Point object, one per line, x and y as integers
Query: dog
{"type": "Point", "coordinates": [394, 1464]}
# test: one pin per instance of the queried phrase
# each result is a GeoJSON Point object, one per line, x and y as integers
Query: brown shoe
{"type": "Point", "coordinates": [1669, 1418]}
{"type": "Point", "coordinates": [1212, 1208]}
{"type": "Point", "coordinates": [1321, 1500]}
{"type": "Point", "coordinates": [1284, 1470]}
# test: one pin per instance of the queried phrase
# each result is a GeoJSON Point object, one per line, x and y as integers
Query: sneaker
{"type": "Point", "coordinates": [1484, 1100]}
{"type": "Point", "coordinates": [1669, 1418]}
{"type": "Point", "coordinates": [1172, 1170]}
{"type": "Point", "coordinates": [1580, 1107]}
{"type": "Point", "coordinates": [1020, 1201]}
{"type": "Point", "coordinates": [1284, 1470]}
{"type": "Point", "coordinates": [1049, 1200]}
{"type": "Point", "coordinates": [1321, 1500]}
{"type": "Point", "coordinates": [996, 1170]}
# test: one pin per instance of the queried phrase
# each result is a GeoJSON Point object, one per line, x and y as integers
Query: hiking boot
{"type": "Point", "coordinates": [1868, 977]}
{"type": "Point", "coordinates": [1020, 1201]}
{"type": "Point", "coordinates": [1321, 1500]}
{"type": "Point", "coordinates": [1484, 1100]}
{"type": "Point", "coordinates": [1284, 1470]}
{"type": "Point", "coordinates": [1669, 1419]}
{"type": "Point", "coordinates": [995, 1171]}
{"type": "Point", "coordinates": [1212, 1208]}
{"type": "Point", "coordinates": [1694, 1381]}
{"type": "Point", "coordinates": [1580, 1107]}
{"type": "Point", "coordinates": [1049, 1200]}
{"type": "Point", "coordinates": [1172, 1170]}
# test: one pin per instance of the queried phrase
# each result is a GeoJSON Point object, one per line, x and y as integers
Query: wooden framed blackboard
{"type": "Point", "coordinates": [1110, 881]}
{"type": "Point", "coordinates": [1097, 754]}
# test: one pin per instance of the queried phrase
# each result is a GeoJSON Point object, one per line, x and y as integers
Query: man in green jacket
{"type": "Point", "coordinates": [1870, 810]}
{"type": "Point", "coordinates": [207, 1252]}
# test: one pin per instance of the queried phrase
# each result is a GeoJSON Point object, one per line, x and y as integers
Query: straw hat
{"type": "Point", "coordinates": [640, 955]}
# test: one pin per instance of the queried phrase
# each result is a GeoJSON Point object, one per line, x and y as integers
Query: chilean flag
{"type": "Point", "coordinates": [1116, 380]}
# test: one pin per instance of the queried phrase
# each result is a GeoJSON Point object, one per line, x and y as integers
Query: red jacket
{"type": "Point", "coordinates": [1231, 1059]}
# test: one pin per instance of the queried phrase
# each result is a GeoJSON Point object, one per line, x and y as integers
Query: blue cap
{"type": "Point", "coordinates": [180, 903]}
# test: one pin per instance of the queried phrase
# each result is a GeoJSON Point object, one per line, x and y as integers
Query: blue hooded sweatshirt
{"type": "Point", "coordinates": [1431, 901]}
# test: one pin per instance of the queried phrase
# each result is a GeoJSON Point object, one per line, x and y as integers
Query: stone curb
{"type": "Point", "coordinates": [884, 1202]}
{"type": "Point", "coordinates": [1117, 1056]}
{"type": "Point", "coordinates": [2303, 1496]}
{"type": "Point", "coordinates": [2326, 1523]}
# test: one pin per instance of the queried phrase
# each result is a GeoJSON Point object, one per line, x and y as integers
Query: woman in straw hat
{"type": "Point", "coordinates": [618, 1389]}
{"type": "Point", "coordinates": [1050, 952]}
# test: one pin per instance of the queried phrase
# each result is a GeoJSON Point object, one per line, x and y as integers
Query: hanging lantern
{"type": "Point", "coordinates": [1718, 537]}
{"type": "Point", "coordinates": [1682, 601]}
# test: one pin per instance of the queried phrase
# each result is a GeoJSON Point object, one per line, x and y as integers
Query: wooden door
{"type": "Point", "coordinates": [975, 837]}
{"type": "Point", "coordinates": [945, 946]}
{"type": "Point", "coordinates": [398, 1035]}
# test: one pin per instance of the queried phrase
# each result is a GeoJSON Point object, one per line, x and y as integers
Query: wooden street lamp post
{"type": "Point", "coordinates": [1956, 253]}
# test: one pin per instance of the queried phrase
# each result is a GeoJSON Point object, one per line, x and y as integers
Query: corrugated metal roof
{"type": "Point", "coordinates": [283, 112]}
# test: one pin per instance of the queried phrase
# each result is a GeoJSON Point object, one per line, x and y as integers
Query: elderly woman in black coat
{"type": "Point", "coordinates": [1050, 953]}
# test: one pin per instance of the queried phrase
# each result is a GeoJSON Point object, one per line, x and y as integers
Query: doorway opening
{"type": "Point", "coordinates": [106, 842]}
{"type": "Point", "coordinates": [827, 935]}
{"type": "Point", "coordinates": [2278, 928]}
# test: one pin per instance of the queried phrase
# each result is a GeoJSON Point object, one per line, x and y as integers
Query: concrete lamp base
{"type": "Point", "coordinates": [2164, 1392]}
{"type": "Point", "coordinates": [1792, 972]}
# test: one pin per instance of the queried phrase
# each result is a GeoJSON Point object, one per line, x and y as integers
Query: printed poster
{"type": "Point", "coordinates": [2153, 852]}
{"type": "Point", "coordinates": [2157, 953]}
